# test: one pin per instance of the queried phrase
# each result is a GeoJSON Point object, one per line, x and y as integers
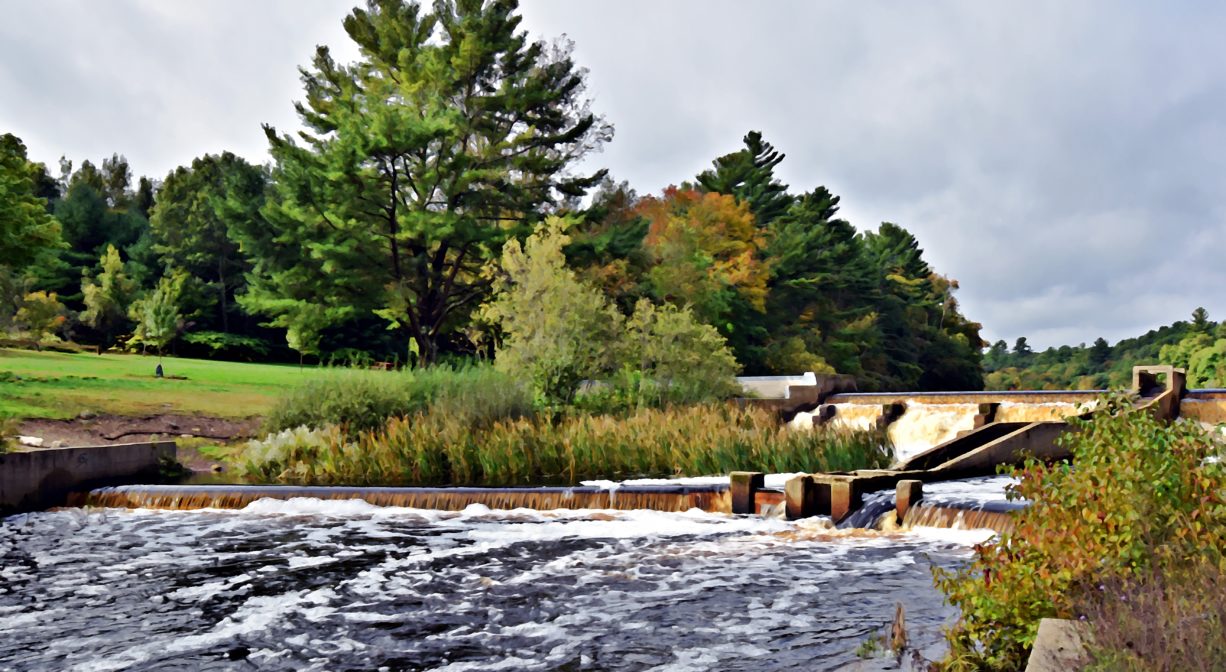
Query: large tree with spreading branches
{"type": "Point", "coordinates": [451, 134]}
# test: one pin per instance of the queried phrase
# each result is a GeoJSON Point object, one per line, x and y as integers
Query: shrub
{"type": "Point", "coordinates": [358, 400]}
{"type": "Point", "coordinates": [1140, 496]}
{"type": "Point", "coordinates": [1169, 620]}
{"type": "Point", "coordinates": [440, 448]}
{"type": "Point", "coordinates": [556, 330]}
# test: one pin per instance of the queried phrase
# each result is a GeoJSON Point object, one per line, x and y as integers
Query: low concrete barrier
{"type": "Point", "coordinates": [37, 479]}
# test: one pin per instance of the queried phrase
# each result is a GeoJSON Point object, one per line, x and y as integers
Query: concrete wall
{"type": "Point", "coordinates": [37, 479]}
{"type": "Point", "coordinates": [1022, 397]}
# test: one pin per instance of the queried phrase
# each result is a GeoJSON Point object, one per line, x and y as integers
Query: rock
{"type": "Point", "coordinates": [1059, 647]}
{"type": "Point", "coordinates": [58, 444]}
{"type": "Point", "coordinates": [172, 425]}
{"type": "Point", "coordinates": [32, 441]}
{"type": "Point", "coordinates": [185, 436]}
{"type": "Point", "coordinates": [217, 468]}
{"type": "Point", "coordinates": [87, 415]}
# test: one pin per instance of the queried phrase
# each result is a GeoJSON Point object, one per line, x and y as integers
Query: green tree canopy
{"type": "Point", "coordinates": [202, 213]}
{"type": "Point", "coordinates": [27, 232]}
{"type": "Point", "coordinates": [107, 298]}
{"type": "Point", "coordinates": [450, 133]}
{"type": "Point", "coordinates": [749, 175]}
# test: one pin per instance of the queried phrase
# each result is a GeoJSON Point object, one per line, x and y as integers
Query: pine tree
{"type": "Point", "coordinates": [749, 175]}
{"type": "Point", "coordinates": [450, 135]}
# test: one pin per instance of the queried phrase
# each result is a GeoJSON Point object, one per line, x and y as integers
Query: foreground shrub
{"type": "Point", "coordinates": [1141, 497]}
{"type": "Point", "coordinates": [1171, 620]}
{"type": "Point", "coordinates": [357, 400]}
{"type": "Point", "coordinates": [439, 448]}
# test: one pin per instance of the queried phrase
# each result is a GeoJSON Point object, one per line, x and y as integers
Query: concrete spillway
{"type": "Point", "coordinates": [669, 498]}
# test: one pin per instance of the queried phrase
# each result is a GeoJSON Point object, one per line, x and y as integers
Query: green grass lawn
{"type": "Point", "coordinates": [61, 385]}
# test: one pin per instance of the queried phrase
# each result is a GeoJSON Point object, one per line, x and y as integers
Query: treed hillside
{"type": "Point", "coordinates": [1198, 345]}
{"type": "Point", "coordinates": [376, 233]}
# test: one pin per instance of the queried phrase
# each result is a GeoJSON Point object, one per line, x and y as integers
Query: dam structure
{"type": "Point", "coordinates": [944, 436]}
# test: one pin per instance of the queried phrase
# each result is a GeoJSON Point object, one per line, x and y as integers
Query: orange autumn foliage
{"type": "Point", "coordinates": [706, 251]}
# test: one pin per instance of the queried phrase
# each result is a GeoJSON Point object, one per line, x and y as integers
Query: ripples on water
{"type": "Point", "coordinates": [310, 585]}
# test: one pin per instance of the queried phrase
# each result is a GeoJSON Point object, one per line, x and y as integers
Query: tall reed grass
{"type": "Point", "coordinates": [358, 400]}
{"type": "Point", "coordinates": [438, 448]}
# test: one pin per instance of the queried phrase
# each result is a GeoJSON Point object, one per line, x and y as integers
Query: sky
{"type": "Point", "coordinates": [1065, 162]}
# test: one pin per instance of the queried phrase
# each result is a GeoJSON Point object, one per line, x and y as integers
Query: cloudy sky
{"type": "Point", "coordinates": [1064, 161]}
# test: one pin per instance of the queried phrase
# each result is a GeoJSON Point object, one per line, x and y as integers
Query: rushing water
{"type": "Point", "coordinates": [343, 585]}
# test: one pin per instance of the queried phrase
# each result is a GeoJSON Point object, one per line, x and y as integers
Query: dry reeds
{"type": "Point", "coordinates": [438, 448]}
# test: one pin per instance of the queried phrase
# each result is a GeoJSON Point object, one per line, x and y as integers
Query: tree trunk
{"type": "Point", "coordinates": [221, 281]}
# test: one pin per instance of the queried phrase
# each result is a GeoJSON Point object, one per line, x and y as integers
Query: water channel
{"type": "Point", "coordinates": [306, 584]}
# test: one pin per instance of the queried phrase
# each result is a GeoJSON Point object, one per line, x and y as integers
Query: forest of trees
{"type": "Point", "coordinates": [1198, 345]}
{"type": "Point", "coordinates": [377, 232]}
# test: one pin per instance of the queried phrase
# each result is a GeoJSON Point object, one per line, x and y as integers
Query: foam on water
{"type": "Point", "coordinates": [320, 585]}
{"type": "Point", "coordinates": [923, 426]}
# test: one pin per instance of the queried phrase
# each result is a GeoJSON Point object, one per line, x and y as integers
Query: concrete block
{"type": "Point", "coordinates": [805, 496]}
{"type": "Point", "coordinates": [744, 486]}
{"type": "Point", "coordinates": [906, 494]}
{"type": "Point", "coordinates": [1059, 647]}
{"type": "Point", "coordinates": [845, 497]}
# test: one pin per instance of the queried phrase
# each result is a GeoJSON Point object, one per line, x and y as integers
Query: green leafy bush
{"type": "Point", "coordinates": [1141, 496]}
{"type": "Point", "coordinates": [359, 400]}
{"type": "Point", "coordinates": [441, 448]}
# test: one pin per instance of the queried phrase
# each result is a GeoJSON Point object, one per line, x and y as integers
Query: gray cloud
{"type": "Point", "coordinates": [1061, 160]}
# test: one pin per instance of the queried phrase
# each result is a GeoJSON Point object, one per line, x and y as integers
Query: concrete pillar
{"type": "Point", "coordinates": [906, 494]}
{"type": "Point", "coordinates": [986, 414]}
{"type": "Point", "coordinates": [805, 496]}
{"type": "Point", "coordinates": [845, 497]}
{"type": "Point", "coordinates": [744, 485]}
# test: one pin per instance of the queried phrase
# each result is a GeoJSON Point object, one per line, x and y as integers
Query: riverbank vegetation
{"type": "Point", "coordinates": [438, 448]}
{"type": "Point", "coordinates": [1116, 539]}
{"type": "Point", "coordinates": [379, 233]}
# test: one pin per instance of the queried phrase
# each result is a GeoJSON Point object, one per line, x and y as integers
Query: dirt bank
{"type": "Point", "coordinates": [106, 429]}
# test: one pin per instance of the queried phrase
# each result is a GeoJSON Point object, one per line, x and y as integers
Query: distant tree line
{"type": "Point", "coordinates": [1198, 345]}
{"type": "Point", "coordinates": [378, 232]}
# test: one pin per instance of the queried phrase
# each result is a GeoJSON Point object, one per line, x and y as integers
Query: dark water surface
{"type": "Point", "coordinates": [336, 585]}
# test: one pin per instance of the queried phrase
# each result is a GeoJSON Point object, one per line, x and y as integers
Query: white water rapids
{"type": "Point", "coordinates": [323, 585]}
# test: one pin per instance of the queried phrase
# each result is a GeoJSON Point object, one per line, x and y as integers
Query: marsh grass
{"type": "Point", "coordinates": [447, 448]}
{"type": "Point", "coordinates": [360, 401]}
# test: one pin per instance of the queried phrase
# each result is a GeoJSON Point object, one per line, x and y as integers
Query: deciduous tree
{"type": "Point", "coordinates": [107, 298]}
{"type": "Point", "coordinates": [27, 232]}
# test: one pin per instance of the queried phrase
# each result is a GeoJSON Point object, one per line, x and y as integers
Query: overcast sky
{"type": "Point", "coordinates": [1063, 161]}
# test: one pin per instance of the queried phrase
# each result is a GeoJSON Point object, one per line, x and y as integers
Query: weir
{"type": "Point", "coordinates": [947, 435]}
{"type": "Point", "coordinates": [970, 434]}
{"type": "Point", "coordinates": [669, 498]}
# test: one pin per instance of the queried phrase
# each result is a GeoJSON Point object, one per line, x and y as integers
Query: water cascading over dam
{"type": "Point", "coordinates": [669, 498]}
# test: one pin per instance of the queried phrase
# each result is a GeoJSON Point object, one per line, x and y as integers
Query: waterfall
{"type": "Point", "coordinates": [923, 426]}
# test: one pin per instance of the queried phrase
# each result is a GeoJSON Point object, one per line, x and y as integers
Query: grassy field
{"type": "Point", "coordinates": [61, 385]}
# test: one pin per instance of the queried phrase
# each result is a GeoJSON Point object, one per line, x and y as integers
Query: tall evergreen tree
{"type": "Point", "coordinates": [749, 175]}
{"type": "Point", "coordinates": [449, 134]}
{"type": "Point", "coordinates": [822, 293]}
